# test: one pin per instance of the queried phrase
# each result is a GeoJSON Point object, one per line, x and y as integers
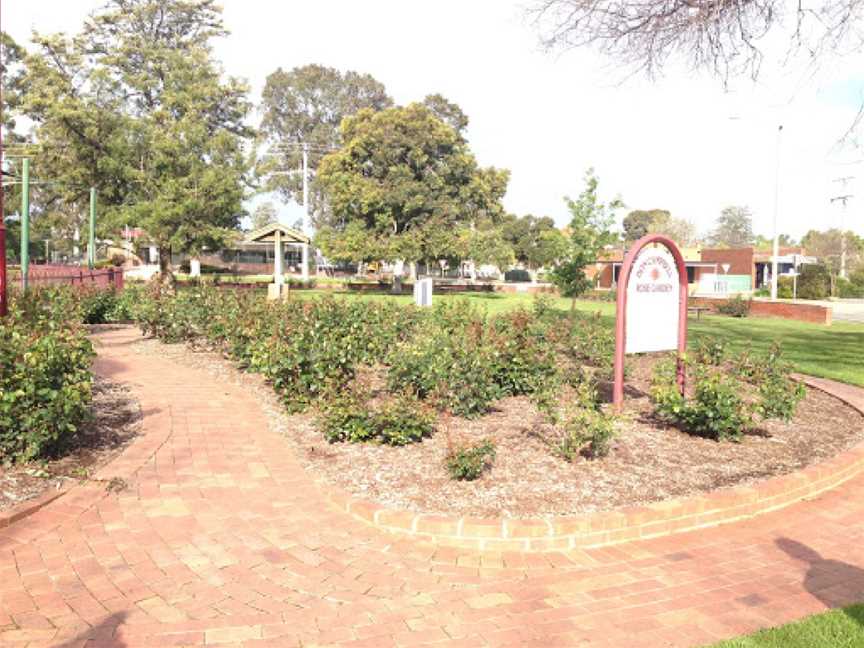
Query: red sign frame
{"type": "Point", "coordinates": [621, 310]}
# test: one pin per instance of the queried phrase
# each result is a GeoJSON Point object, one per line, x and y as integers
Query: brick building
{"type": "Point", "coordinates": [738, 269]}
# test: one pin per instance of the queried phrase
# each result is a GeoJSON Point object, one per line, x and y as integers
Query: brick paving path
{"type": "Point", "coordinates": [221, 538]}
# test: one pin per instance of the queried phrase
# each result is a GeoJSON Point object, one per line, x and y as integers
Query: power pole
{"type": "Point", "coordinates": [306, 226]}
{"type": "Point", "coordinates": [305, 185]}
{"type": "Point", "coordinates": [843, 199]}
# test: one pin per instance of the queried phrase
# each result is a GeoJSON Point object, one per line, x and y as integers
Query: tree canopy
{"type": "Point", "coordinates": [590, 232]}
{"type": "Point", "coordinates": [408, 182]}
{"type": "Point", "coordinates": [726, 38]}
{"type": "Point", "coordinates": [734, 228]}
{"type": "Point", "coordinates": [306, 105]}
{"type": "Point", "coordinates": [536, 242]}
{"type": "Point", "coordinates": [136, 106]}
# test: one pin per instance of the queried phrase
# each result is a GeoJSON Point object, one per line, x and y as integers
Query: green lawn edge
{"type": "Point", "coordinates": [841, 628]}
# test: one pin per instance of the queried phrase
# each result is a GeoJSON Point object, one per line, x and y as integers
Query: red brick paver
{"type": "Point", "coordinates": [222, 538]}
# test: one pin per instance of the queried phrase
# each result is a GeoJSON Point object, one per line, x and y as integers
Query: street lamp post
{"type": "Point", "coordinates": [776, 251]}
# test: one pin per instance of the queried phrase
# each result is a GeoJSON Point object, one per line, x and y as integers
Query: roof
{"type": "Point", "coordinates": [267, 234]}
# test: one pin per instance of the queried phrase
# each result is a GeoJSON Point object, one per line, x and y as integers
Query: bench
{"type": "Point", "coordinates": [698, 310]}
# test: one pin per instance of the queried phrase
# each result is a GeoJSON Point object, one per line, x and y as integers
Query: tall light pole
{"type": "Point", "coordinates": [776, 251]}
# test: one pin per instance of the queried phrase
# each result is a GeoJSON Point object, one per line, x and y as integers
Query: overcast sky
{"type": "Point", "coordinates": [682, 143]}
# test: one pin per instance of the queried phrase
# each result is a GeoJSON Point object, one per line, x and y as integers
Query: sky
{"type": "Point", "coordinates": [684, 142]}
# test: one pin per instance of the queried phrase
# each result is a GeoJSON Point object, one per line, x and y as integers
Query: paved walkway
{"type": "Point", "coordinates": [221, 538]}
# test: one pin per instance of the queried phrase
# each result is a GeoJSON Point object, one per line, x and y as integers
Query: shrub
{"type": "Point", "coordinates": [468, 461]}
{"type": "Point", "coordinates": [45, 381]}
{"type": "Point", "coordinates": [735, 307]}
{"type": "Point", "coordinates": [716, 410]}
{"type": "Point", "coordinates": [727, 398]}
{"type": "Point", "coordinates": [523, 359]}
{"type": "Point", "coordinates": [299, 346]}
{"type": "Point", "coordinates": [347, 416]}
{"type": "Point", "coordinates": [455, 370]}
{"type": "Point", "coordinates": [344, 417]}
{"type": "Point", "coordinates": [588, 340]}
{"type": "Point", "coordinates": [710, 351]}
{"type": "Point", "coordinates": [785, 288]}
{"type": "Point", "coordinates": [779, 394]}
{"type": "Point", "coordinates": [404, 420]}
{"type": "Point", "coordinates": [581, 426]}
{"type": "Point", "coordinates": [517, 275]}
{"type": "Point", "coordinates": [846, 289]}
{"type": "Point", "coordinates": [814, 282]}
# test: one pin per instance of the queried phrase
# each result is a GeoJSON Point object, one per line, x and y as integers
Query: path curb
{"type": "Point", "coordinates": [560, 533]}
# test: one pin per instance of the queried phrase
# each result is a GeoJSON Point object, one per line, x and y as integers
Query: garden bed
{"type": "Point", "coordinates": [648, 462]}
{"type": "Point", "coordinates": [116, 421]}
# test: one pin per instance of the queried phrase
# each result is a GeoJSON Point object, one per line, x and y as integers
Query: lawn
{"type": "Point", "coordinates": [842, 628]}
{"type": "Point", "coordinates": [835, 351]}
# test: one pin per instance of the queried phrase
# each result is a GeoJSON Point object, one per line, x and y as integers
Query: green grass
{"type": "Point", "coordinates": [835, 352]}
{"type": "Point", "coordinates": [842, 628]}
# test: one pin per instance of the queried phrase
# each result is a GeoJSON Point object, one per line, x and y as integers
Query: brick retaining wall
{"type": "Point", "coordinates": [812, 313]}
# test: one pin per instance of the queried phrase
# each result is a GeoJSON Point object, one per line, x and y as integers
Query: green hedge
{"type": "Point", "coordinates": [45, 380]}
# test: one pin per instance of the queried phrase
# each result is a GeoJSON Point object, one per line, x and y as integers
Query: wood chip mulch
{"type": "Point", "coordinates": [115, 423]}
{"type": "Point", "coordinates": [648, 462]}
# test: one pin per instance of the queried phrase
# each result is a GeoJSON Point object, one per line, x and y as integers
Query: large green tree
{"type": "Point", "coordinates": [306, 105]}
{"type": "Point", "coordinates": [734, 228]}
{"type": "Point", "coordinates": [535, 240]}
{"type": "Point", "coordinates": [640, 222]}
{"type": "Point", "coordinates": [828, 247]}
{"type": "Point", "coordinates": [136, 106]}
{"type": "Point", "coordinates": [411, 183]}
{"type": "Point", "coordinates": [590, 233]}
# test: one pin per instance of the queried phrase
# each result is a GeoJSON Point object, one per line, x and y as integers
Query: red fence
{"type": "Point", "coordinates": [60, 275]}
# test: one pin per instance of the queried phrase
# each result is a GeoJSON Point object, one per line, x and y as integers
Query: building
{"type": "Point", "coordinates": [715, 270]}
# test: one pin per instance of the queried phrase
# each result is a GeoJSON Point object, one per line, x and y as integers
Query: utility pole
{"type": "Point", "coordinates": [25, 223]}
{"type": "Point", "coordinates": [91, 241]}
{"type": "Point", "coordinates": [843, 199]}
{"type": "Point", "coordinates": [306, 226]}
{"type": "Point", "coordinates": [305, 186]}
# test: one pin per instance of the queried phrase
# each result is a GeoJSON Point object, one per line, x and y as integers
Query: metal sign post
{"type": "Point", "coordinates": [649, 323]}
{"type": "Point", "coordinates": [3, 307]}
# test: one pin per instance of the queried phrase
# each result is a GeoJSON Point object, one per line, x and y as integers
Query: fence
{"type": "Point", "coordinates": [60, 275]}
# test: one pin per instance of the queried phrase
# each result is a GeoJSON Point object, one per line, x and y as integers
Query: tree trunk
{"type": "Point", "coordinates": [166, 277]}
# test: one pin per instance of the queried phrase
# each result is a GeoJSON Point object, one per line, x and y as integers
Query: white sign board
{"type": "Point", "coordinates": [652, 302]}
{"type": "Point", "coordinates": [423, 292]}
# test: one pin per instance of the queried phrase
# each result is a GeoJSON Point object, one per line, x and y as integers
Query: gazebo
{"type": "Point", "coordinates": [280, 235]}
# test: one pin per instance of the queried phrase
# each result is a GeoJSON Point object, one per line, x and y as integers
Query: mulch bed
{"type": "Point", "coordinates": [648, 462]}
{"type": "Point", "coordinates": [116, 421]}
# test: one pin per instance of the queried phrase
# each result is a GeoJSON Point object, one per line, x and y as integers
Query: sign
{"type": "Point", "coordinates": [652, 302]}
{"type": "Point", "coordinates": [651, 307]}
